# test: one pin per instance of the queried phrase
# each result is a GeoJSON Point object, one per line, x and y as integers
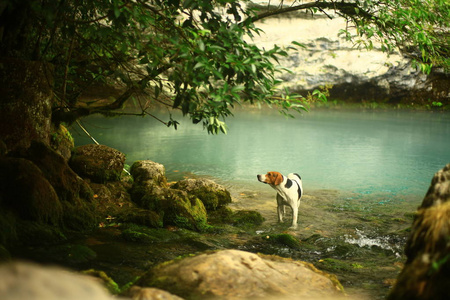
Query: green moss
{"type": "Point", "coordinates": [335, 264]}
{"type": "Point", "coordinates": [155, 234]}
{"type": "Point", "coordinates": [247, 218]}
{"type": "Point", "coordinates": [137, 237]}
{"type": "Point", "coordinates": [35, 233]}
{"type": "Point", "coordinates": [212, 199]}
{"type": "Point", "coordinates": [108, 282]}
{"type": "Point", "coordinates": [284, 239]}
{"type": "Point", "coordinates": [80, 253]}
{"type": "Point", "coordinates": [223, 215]}
{"type": "Point", "coordinates": [141, 216]}
{"type": "Point", "coordinates": [183, 210]}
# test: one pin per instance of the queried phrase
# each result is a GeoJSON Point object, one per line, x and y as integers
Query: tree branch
{"type": "Point", "coordinates": [344, 7]}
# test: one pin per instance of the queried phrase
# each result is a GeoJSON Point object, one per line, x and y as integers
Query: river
{"type": "Point", "coordinates": [392, 153]}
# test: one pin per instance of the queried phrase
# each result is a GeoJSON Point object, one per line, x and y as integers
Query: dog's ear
{"type": "Point", "coordinates": [277, 178]}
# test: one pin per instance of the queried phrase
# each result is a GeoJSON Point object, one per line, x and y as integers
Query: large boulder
{"type": "Point", "coordinates": [426, 273]}
{"type": "Point", "coordinates": [233, 274]}
{"type": "Point", "coordinates": [30, 281]}
{"type": "Point", "coordinates": [73, 192]}
{"type": "Point", "coordinates": [98, 163]}
{"type": "Point", "coordinates": [212, 195]}
{"type": "Point", "coordinates": [25, 190]}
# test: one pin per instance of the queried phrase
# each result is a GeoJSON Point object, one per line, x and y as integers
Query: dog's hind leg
{"type": "Point", "coordinates": [294, 216]}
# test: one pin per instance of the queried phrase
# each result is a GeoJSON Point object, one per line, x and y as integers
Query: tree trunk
{"type": "Point", "coordinates": [26, 102]}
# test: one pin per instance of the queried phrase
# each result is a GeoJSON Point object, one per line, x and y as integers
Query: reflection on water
{"type": "Point", "coordinates": [393, 153]}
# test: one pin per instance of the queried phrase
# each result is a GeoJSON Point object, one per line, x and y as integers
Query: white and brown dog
{"type": "Point", "coordinates": [289, 192]}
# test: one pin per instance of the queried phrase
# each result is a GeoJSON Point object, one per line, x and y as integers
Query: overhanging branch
{"type": "Point", "coordinates": [349, 9]}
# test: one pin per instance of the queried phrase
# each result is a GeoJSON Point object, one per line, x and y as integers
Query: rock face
{"type": "Point", "coordinates": [426, 274]}
{"type": "Point", "coordinates": [99, 163]}
{"type": "Point", "coordinates": [355, 74]}
{"type": "Point", "coordinates": [233, 274]}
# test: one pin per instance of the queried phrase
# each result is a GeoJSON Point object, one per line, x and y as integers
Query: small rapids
{"type": "Point", "coordinates": [383, 242]}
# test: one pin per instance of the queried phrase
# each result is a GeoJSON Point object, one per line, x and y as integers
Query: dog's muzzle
{"type": "Point", "coordinates": [260, 178]}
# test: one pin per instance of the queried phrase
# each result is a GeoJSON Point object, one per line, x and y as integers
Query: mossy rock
{"type": "Point", "coordinates": [141, 216]}
{"type": "Point", "coordinates": [183, 210]}
{"type": "Point", "coordinates": [222, 215]}
{"type": "Point", "coordinates": [283, 239]}
{"type": "Point", "coordinates": [147, 195]}
{"type": "Point", "coordinates": [107, 281]}
{"type": "Point", "coordinates": [137, 237]}
{"type": "Point", "coordinates": [99, 163]}
{"type": "Point", "coordinates": [67, 184]}
{"type": "Point", "coordinates": [25, 190]}
{"type": "Point", "coordinates": [138, 233]}
{"type": "Point", "coordinates": [62, 142]}
{"type": "Point", "coordinates": [247, 218]}
{"type": "Point", "coordinates": [32, 233]}
{"type": "Point", "coordinates": [210, 193]}
{"type": "Point", "coordinates": [144, 171]}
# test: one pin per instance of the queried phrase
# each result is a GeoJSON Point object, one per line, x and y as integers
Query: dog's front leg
{"type": "Point", "coordinates": [280, 208]}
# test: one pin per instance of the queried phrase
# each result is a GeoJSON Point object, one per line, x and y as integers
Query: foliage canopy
{"type": "Point", "coordinates": [195, 55]}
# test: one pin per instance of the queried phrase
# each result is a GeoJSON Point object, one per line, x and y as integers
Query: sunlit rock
{"type": "Point", "coordinates": [233, 274]}
{"type": "Point", "coordinates": [426, 274]}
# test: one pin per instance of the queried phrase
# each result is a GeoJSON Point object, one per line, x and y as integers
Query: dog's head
{"type": "Point", "coordinates": [273, 178]}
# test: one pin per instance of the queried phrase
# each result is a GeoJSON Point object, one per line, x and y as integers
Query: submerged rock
{"type": "Point", "coordinates": [426, 274]}
{"type": "Point", "coordinates": [233, 274]}
{"type": "Point", "coordinates": [99, 163]}
{"type": "Point", "coordinates": [212, 195]}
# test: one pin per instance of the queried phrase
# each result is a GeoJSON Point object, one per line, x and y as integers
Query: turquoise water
{"type": "Point", "coordinates": [391, 153]}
